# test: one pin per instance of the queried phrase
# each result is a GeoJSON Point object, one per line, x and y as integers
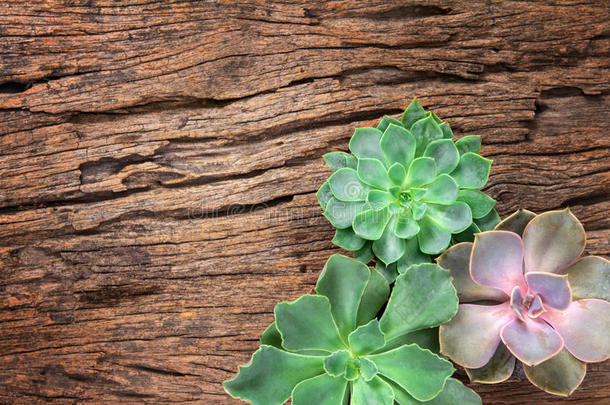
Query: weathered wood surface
{"type": "Point", "coordinates": [159, 161]}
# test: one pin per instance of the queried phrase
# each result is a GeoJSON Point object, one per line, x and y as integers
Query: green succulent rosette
{"type": "Point", "coordinates": [406, 190]}
{"type": "Point", "coordinates": [331, 348]}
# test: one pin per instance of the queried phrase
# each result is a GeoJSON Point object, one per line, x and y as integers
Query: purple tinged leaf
{"type": "Point", "coordinates": [536, 308]}
{"type": "Point", "coordinates": [516, 303]}
{"type": "Point", "coordinates": [554, 289]}
{"type": "Point", "coordinates": [532, 341]}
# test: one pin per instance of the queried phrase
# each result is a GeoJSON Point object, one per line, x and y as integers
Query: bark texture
{"type": "Point", "coordinates": [159, 161]}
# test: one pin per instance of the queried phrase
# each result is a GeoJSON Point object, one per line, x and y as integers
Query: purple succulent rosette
{"type": "Point", "coordinates": [526, 293]}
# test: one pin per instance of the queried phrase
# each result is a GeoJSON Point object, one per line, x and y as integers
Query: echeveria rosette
{"type": "Point", "coordinates": [331, 349]}
{"type": "Point", "coordinates": [407, 188]}
{"type": "Point", "coordinates": [525, 292]}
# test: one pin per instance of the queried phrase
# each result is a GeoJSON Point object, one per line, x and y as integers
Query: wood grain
{"type": "Point", "coordinates": [159, 162]}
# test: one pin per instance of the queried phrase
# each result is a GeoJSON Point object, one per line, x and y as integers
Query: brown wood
{"type": "Point", "coordinates": [159, 162]}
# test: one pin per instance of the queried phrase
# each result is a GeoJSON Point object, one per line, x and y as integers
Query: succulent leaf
{"type": "Point", "coordinates": [386, 121]}
{"type": "Point", "coordinates": [589, 277]}
{"type": "Point", "coordinates": [375, 391]}
{"type": "Point", "coordinates": [341, 214]}
{"type": "Point", "coordinates": [498, 369]}
{"type": "Point", "coordinates": [532, 341]}
{"type": "Point", "coordinates": [413, 113]}
{"type": "Point", "coordinates": [398, 145]}
{"type": "Point", "coordinates": [453, 393]}
{"type": "Point", "coordinates": [480, 203]}
{"type": "Point", "coordinates": [468, 143]}
{"type": "Point", "coordinates": [348, 240]}
{"type": "Point", "coordinates": [367, 338]}
{"type": "Point", "coordinates": [516, 222]}
{"type": "Point", "coordinates": [560, 375]}
{"type": "Point", "coordinates": [425, 131]}
{"type": "Point", "coordinates": [373, 173]}
{"type": "Point", "coordinates": [336, 160]}
{"type": "Point", "coordinates": [321, 390]}
{"type": "Point", "coordinates": [371, 223]}
{"type": "Point", "coordinates": [346, 186]}
{"type": "Point", "coordinates": [271, 336]}
{"type": "Point", "coordinates": [432, 237]}
{"type": "Point", "coordinates": [472, 171]}
{"type": "Point", "coordinates": [444, 153]}
{"type": "Point", "coordinates": [365, 144]}
{"type": "Point", "coordinates": [553, 289]}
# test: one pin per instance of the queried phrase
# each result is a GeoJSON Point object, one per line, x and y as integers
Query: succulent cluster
{"type": "Point", "coordinates": [406, 189]}
{"type": "Point", "coordinates": [330, 348]}
{"type": "Point", "coordinates": [544, 305]}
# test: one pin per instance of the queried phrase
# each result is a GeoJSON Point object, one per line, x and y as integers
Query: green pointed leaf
{"type": "Point", "coordinates": [374, 392]}
{"type": "Point", "coordinates": [419, 372]}
{"type": "Point", "coordinates": [365, 253]}
{"type": "Point", "coordinates": [271, 375]}
{"type": "Point", "coordinates": [469, 143]}
{"type": "Point", "coordinates": [468, 234]}
{"type": "Point", "coordinates": [320, 390]}
{"type": "Point", "coordinates": [447, 132]}
{"type": "Point", "coordinates": [479, 202]}
{"type": "Point", "coordinates": [432, 237]}
{"type": "Point", "coordinates": [271, 337]}
{"type": "Point", "coordinates": [516, 222]}
{"type": "Point", "coordinates": [346, 185]}
{"type": "Point", "coordinates": [560, 375]}
{"type": "Point", "coordinates": [398, 145]}
{"type": "Point", "coordinates": [366, 339]}
{"type": "Point", "coordinates": [499, 368]}
{"type": "Point", "coordinates": [347, 239]}
{"type": "Point", "coordinates": [378, 199]}
{"type": "Point", "coordinates": [454, 218]}
{"type": "Point", "coordinates": [341, 214]}
{"type": "Point", "coordinates": [413, 113]}
{"type": "Point", "coordinates": [472, 171]}
{"type": "Point", "coordinates": [389, 272]}
{"type": "Point", "coordinates": [368, 369]}
{"type": "Point", "coordinates": [425, 131]}
{"type": "Point", "coordinates": [374, 296]}
{"type": "Point", "coordinates": [412, 256]}
{"type": "Point", "coordinates": [423, 297]}
{"type": "Point", "coordinates": [489, 221]}
{"type": "Point", "coordinates": [406, 227]}
{"type": "Point", "coordinates": [365, 144]}
{"type": "Point", "coordinates": [385, 123]}
{"type": "Point", "coordinates": [352, 369]}
{"type": "Point", "coordinates": [307, 324]}
{"type": "Point", "coordinates": [436, 118]}
{"type": "Point", "coordinates": [397, 174]}
{"type": "Point", "coordinates": [418, 209]}
{"type": "Point", "coordinates": [444, 153]}
{"type": "Point", "coordinates": [336, 160]}
{"type": "Point", "coordinates": [453, 393]}
{"type": "Point", "coordinates": [424, 338]}
{"type": "Point", "coordinates": [335, 363]}
{"type": "Point", "coordinates": [389, 248]}
{"type": "Point", "coordinates": [589, 277]}
{"type": "Point", "coordinates": [343, 281]}
{"type": "Point", "coordinates": [370, 224]}
{"type": "Point", "coordinates": [324, 195]}
{"type": "Point", "coordinates": [443, 190]}
{"type": "Point", "coordinates": [373, 173]}
{"type": "Point", "coordinates": [421, 172]}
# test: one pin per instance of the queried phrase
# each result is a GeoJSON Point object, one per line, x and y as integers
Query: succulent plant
{"type": "Point", "coordinates": [405, 189]}
{"type": "Point", "coordinates": [331, 349]}
{"type": "Point", "coordinates": [526, 293]}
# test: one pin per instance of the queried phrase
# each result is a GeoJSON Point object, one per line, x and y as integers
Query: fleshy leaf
{"type": "Point", "coordinates": [271, 375]}
{"type": "Point", "coordinates": [373, 392]}
{"type": "Point", "coordinates": [352, 369]}
{"type": "Point", "coordinates": [365, 144]}
{"type": "Point", "coordinates": [307, 324]}
{"type": "Point", "coordinates": [584, 327]}
{"type": "Point", "coordinates": [471, 338]}
{"type": "Point", "coordinates": [320, 390]}
{"type": "Point", "coordinates": [498, 369]}
{"type": "Point", "coordinates": [532, 341]}
{"type": "Point", "coordinates": [368, 369]}
{"type": "Point", "coordinates": [365, 253]}
{"type": "Point", "coordinates": [389, 248]}
{"type": "Point", "coordinates": [516, 222]}
{"type": "Point", "coordinates": [406, 227]}
{"type": "Point", "coordinates": [374, 296]}
{"type": "Point", "coordinates": [554, 289]}
{"type": "Point", "coordinates": [398, 145]}
{"type": "Point", "coordinates": [447, 132]}
{"type": "Point", "coordinates": [553, 241]}
{"type": "Point", "coordinates": [421, 172]}
{"type": "Point", "coordinates": [341, 214]}
{"type": "Point", "coordinates": [336, 160]}
{"type": "Point", "coordinates": [453, 393]}
{"type": "Point", "coordinates": [336, 362]}
{"type": "Point", "coordinates": [386, 121]}
{"type": "Point", "coordinates": [424, 338]}
{"type": "Point", "coordinates": [271, 336]}
{"type": "Point", "coordinates": [432, 237]}
{"type": "Point", "coordinates": [456, 259]}
{"type": "Point", "coordinates": [420, 372]}
{"type": "Point", "coordinates": [373, 173]}
{"type": "Point", "coordinates": [560, 375]}
{"type": "Point", "coordinates": [370, 224]}
{"type": "Point", "coordinates": [389, 272]}
{"type": "Point", "coordinates": [469, 143]}
{"type": "Point", "coordinates": [378, 199]}
{"type": "Point", "coordinates": [413, 113]}
{"type": "Point", "coordinates": [324, 195]}
{"type": "Point", "coordinates": [444, 153]}
{"type": "Point", "coordinates": [397, 173]}
{"type": "Point", "coordinates": [412, 256]}
{"type": "Point", "coordinates": [497, 261]}
{"type": "Point", "coordinates": [347, 239]}
{"type": "Point", "coordinates": [346, 186]}
{"type": "Point", "coordinates": [454, 218]}
{"type": "Point", "coordinates": [443, 190]}
{"type": "Point", "coordinates": [479, 202]}
{"type": "Point", "coordinates": [425, 131]}
{"type": "Point", "coordinates": [343, 281]}
{"type": "Point", "coordinates": [423, 297]}
{"type": "Point", "coordinates": [472, 171]}
{"type": "Point", "coordinates": [488, 222]}
{"type": "Point", "coordinates": [589, 277]}
{"type": "Point", "coordinates": [367, 338]}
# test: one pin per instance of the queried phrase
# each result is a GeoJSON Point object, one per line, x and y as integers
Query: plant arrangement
{"type": "Point", "coordinates": [332, 348]}
{"type": "Point", "coordinates": [406, 193]}
{"type": "Point", "coordinates": [406, 189]}
{"type": "Point", "coordinates": [529, 297]}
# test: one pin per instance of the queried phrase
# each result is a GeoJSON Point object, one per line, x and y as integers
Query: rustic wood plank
{"type": "Point", "coordinates": [159, 162]}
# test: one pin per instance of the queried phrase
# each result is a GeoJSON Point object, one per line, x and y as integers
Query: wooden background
{"type": "Point", "coordinates": [159, 161]}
